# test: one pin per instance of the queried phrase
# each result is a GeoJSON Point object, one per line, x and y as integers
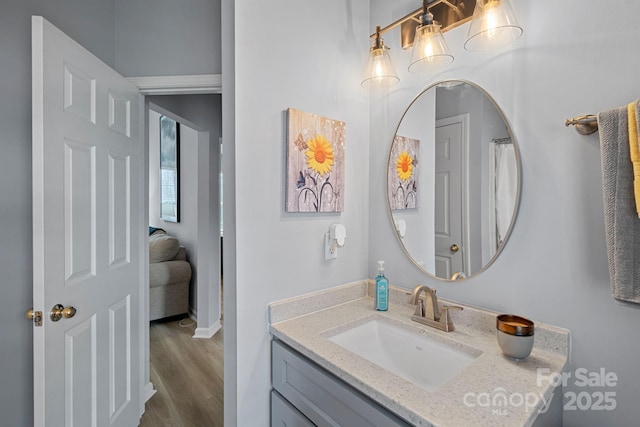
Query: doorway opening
{"type": "Point", "coordinates": [186, 349]}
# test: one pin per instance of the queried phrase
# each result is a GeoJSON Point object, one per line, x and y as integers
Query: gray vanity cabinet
{"type": "Point", "coordinates": [306, 394]}
{"type": "Point", "coordinates": [284, 414]}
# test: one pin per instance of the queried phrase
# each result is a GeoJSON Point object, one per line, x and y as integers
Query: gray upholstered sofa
{"type": "Point", "coordinates": [169, 276]}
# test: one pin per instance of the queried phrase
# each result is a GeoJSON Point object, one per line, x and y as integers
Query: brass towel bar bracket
{"type": "Point", "coordinates": [585, 125]}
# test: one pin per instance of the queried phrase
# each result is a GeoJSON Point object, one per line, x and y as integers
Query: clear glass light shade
{"type": "Point", "coordinates": [429, 49]}
{"type": "Point", "coordinates": [380, 71]}
{"type": "Point", "coordinates": [493, 25]}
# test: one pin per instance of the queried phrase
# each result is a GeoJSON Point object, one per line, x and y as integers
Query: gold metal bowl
{"type": "Point", "coordinates": [514, 325]}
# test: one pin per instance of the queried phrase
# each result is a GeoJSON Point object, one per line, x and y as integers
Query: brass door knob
{"type": "Point", "coordinates": [454, 248]}
{"type": "Point", "coordinates": [59, 311]}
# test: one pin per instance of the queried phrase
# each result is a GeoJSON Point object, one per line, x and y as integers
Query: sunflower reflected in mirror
{"type": "Point", "coordinates": [404, 166]}
{"type": "Point", "coordinates": [403, 173]}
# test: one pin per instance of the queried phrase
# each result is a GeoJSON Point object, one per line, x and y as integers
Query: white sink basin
{"type": "Point", "coordinates": [424, 361]}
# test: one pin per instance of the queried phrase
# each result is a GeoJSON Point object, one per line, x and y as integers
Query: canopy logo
{"type": "Point", "coordinates": [501, 402]}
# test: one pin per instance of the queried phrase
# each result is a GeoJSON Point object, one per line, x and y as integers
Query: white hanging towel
{"type": "Point", "coordinates": [506, 187]}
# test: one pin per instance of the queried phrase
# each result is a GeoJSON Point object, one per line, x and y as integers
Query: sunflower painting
{"type": "Point", "coordinates": [315, 163]}
{"type": "Point", "coordinates": [402, 176]}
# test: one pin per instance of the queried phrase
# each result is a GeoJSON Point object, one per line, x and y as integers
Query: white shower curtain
{"type": "Point", "coordinates": [506, 187]}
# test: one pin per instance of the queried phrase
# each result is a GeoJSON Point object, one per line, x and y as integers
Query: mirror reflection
{"type": "Point", "coordinates": [453, 180]}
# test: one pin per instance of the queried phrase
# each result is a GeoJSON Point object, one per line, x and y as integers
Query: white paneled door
{"type": "Point", "coordinates": [450, 245]}
{"type": "Point", "coordinates": [87, 184]}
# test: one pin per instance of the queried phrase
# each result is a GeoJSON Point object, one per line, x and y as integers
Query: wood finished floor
{"type": "Point", "coordinates": [188, 376]}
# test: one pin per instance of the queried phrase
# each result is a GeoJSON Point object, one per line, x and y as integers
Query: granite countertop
{"type": "Point", "coordinates": [476, 396]}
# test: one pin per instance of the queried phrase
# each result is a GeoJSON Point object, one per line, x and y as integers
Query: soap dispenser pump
{"type": "Point", "coordinates": [382, 289]}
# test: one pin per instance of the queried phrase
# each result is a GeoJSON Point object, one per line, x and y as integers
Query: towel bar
{"type": "Point", "coordinates": [585, 125]}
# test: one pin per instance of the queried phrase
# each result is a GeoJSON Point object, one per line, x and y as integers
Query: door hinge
{"type": "Point", "coordinates": [36, 316]}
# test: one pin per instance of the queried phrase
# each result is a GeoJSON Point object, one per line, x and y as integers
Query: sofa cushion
{"type": "Point", "coordinates": [162, 247]}
{"type": "Point", "coordinates": [169, 273]}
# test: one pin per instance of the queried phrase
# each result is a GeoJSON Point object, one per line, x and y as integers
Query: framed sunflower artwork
{"type": "Point", "coordinates": [403, 173]}
{"type": "Point", "coordinates": [315, 163]}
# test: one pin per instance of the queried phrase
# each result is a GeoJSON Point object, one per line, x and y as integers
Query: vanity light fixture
{"type": "Point", "coordinates": [380, 70]}
{"type": "Point", "coordinates": [493, 25]}
{"type": "Point", "coordinates": [429, 47]}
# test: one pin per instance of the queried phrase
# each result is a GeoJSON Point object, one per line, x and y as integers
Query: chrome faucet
{"type": "Point", "coordinates": [428, 311]}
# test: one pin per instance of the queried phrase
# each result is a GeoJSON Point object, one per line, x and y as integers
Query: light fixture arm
{"type": "Point", "coordinates": [415, 15]}
{"type": "Point", "coordinates": [455, 9]}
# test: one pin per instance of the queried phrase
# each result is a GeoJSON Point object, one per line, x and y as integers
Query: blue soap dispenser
{"type": "Point", "coordinates": [382, 289]}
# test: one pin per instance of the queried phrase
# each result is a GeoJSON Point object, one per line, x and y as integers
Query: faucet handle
{"type": "Point", "coordinates": [444, 313]}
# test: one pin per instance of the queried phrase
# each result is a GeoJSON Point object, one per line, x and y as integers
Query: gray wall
{"type": "Point", "coordinates": [313, 63]}
{"type": "Point", "coordinates": [202, 110]}
{"type": "Point", "coordinates": [91, 23]}
{"type": "Point", "coordinates": [167, 37]}
{"type": "Point", "coordinates": [570, 61]}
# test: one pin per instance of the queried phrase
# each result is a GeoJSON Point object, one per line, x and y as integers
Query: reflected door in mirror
{"type": "Point", "coordinates": [448, 200]}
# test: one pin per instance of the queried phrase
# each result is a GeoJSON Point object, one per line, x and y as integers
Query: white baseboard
{"type": "Point", "coordinates": [206, 333]}
{"type": "Point", "coordinates": [149, 391]}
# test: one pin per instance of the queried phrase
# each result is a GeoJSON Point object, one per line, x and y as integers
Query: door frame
{"type": "Point", "coordinates": [195, 84]}
{"type": "Point", "coordinates": [160, 85]}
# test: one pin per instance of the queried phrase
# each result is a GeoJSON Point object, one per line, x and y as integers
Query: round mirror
{"type": "Point", "coordinates": [453, 180]}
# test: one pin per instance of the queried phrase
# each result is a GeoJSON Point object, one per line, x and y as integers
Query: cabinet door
{"type": "Point", "coordinates": [323, 398]}
{"type": "Point", "coordinates": [283, 414]}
